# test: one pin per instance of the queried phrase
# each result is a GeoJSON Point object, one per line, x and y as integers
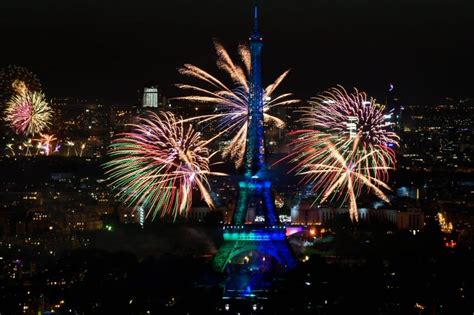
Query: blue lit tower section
{"type": "Point", "coordinates": [255, 188]}
{"type": "Point", "coordinates": [255, 155]}
{"type": "Point", "coordinates": [250, 246]}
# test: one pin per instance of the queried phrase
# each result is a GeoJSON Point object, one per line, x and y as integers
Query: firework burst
{"type": "Point", "coordinates": [28, 113]}
{"type": "Point", "coordinates": [346, 147]}
{"type": "Point", "coordinates": [339, 171]}
{"type": "Point", "coordinates": [338, 112]}
{"type": "Point", "coordinates": [231, 112]}
{"type": "Point", "coordinates": [157, 164]}
{"type": "Point", "coordinates": [16, 80]}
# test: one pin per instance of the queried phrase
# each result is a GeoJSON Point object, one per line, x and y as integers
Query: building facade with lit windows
{"type": "Point", "coordinates": [150, 97]}
{"type": "Point", "coordinates": [407, 219]}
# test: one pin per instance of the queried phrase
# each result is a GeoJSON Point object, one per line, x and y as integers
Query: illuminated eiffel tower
{"type": "Point", "coordinates": [267, 238]}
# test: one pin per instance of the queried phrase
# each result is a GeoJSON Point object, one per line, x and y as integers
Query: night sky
{"type": "Point", "coordinates": [108, 49]}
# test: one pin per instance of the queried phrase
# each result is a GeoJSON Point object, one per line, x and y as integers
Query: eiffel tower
{"type": "Point", "coordinates": [267, 238]}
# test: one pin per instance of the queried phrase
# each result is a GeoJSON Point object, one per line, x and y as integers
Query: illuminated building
{"type": "Point", "coordinates": [150, 97]}
{"type": "Point", "coordinates": [141, 216]}
{"type": "Point", "coordinates": [250, 245]}
{"type": "Point", "coordinates": [406, 219]}
{"type": "Point", "coordinates": [394, 108]}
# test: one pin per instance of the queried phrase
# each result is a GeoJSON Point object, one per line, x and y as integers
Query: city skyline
{"type": "Point", "coordinates": [110, 50]}
{"type": "Point", "coordinates": [162, 173]}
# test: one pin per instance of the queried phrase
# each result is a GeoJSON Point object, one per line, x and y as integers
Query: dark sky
{"type": "Point", "coordinates": [110, 48]}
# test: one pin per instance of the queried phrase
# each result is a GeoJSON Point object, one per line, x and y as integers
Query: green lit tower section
{"type": "Point", "coordinates": [266, 237]}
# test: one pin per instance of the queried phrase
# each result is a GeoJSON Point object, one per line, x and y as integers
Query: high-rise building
{"type": "Point", "coordinates": [394, 108]}
{"type": "Point", "coordinates": [150, 97]}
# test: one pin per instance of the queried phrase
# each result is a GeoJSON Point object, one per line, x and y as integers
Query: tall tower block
{"type": "Point", "coordinates": [150, 97]}
{"type": "Point", "coordinates": [266, 238]}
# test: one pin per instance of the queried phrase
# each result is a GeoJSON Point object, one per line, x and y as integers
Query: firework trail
{"type": "Point", "coordinates": [346, 147]}
{"type": "Point", "coordinates": [69, 144]}
{"type": "Point", "coordinates": [28, 144]}
{"type": "Point", "coordinates": [157, 165]}
{"type": "Point", "coordinates": [10, 147]}
{"type": "Point", "coordinates": [232, 103]}
{"type": "Point", "coordinates": [83, 146]}
{"type": "Point", "coordinates": [28, 113]}
{"type": "Point", "coordinates": [46, 143]}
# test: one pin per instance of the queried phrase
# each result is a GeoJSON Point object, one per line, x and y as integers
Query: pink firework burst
{"type": "Point", "coordinates": [28, 113]}
{"type": "Point", "coordinates": [344, 148]}
{"type": "Point", "coordinates": [158, 164]}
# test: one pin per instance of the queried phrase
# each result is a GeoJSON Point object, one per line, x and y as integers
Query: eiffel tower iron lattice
{"type": "Point", "coordinates": [267, 238]}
